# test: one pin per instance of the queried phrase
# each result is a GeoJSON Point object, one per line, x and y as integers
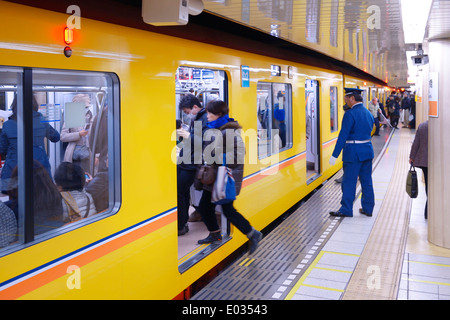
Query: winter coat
{"type": "Point", "coordinates": [194, 140]}
{"type": "Point", "coordinates": [77, 205]}
{"type": "Point", "coordinates": [98, 188]}
{"type": "Point", "coordinates": [8, 225]}
{"type": "Point", "coordinates": [72, 136]}
{"type": "Point", "coordinates": [406, 103]}
{"type": "Point", "coordinates": [419, 148]}
{"type": "Point", "coordinates": [234, 154]}
{"type": "Point", "coordinates": [101, 145]}
{"type": "Point", "coordinates": [8, 145]}
{"type": "Point", "coordinates": [373, 108]}
{"type": "Point", "coordinates": [394, 104]}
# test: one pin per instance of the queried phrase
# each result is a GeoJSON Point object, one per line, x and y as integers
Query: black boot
{"type": "Point", "coordinates": [183, 230]}
{"type": "Point", "coordinates": [255, 237]}
{"type": "Point", "coordinates": [213, 236]}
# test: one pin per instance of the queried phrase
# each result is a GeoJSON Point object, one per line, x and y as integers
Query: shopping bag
{"type": "Point", "coordinates": [224, 190]}
{"type": "Point", "coordinates": [412, 187]}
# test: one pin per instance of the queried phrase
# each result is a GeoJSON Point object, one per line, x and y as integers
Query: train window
{"type": "Point", "coordinates": [364, 95]}
{"type": "Point", "coordinates": [205, 84]}
{"type": "Point", "coordinates": [333, 109]}
{"type": "Point", "coordinates": [62, 172]}
{"type": "Point", "coordinates": [274, 112]}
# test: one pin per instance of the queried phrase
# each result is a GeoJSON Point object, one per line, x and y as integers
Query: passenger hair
{"type": "Point", "coordinates": [217, 107]}
{"type": "Point", "coordinates": [69, 176]}
{"type": "Point", "coordinates": [14, 106]}
{"type": "Point", "coordinates": [358, 98]}
{"type": "Point", "coordinates": [47, 199]}
{"type": "Point", "coordinates": [188, 102]}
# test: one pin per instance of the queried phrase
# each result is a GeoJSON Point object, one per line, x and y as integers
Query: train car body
{"type": "Point", "coordinates": [130, 250]}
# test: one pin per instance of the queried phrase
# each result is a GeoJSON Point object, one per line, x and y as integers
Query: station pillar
{"type": "Point", "coordinates": [439, 143]}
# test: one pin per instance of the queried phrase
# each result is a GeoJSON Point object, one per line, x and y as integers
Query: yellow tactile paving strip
{"type": "Point", "coordinates": [377, 274]}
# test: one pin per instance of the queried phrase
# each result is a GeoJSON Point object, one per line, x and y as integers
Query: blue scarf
{"type": "Point", "coordinates": [219, 122]}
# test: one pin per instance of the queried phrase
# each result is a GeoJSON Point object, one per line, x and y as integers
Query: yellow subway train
{"type": "Point", "coordinates": [129, 80]}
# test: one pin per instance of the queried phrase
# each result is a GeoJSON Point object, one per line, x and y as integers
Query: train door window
{"type": "Point", "coordinates": [373, 94]}
{"type": "Point", "coordinates": [312, 130]}
{"type": "Point", "coordinates": [206, 85]}
{"type": "Point", "coordinates": [66, 163]}
{"type": "Point", "coordinates": [333, 109]}
{"type": "Point", "coordinates": [274, 113]}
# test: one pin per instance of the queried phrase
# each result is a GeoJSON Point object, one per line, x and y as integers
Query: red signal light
{"type": "Point", "coordinates": [68, 35]}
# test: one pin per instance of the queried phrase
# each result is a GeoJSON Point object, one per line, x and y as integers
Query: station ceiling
{"type": "Point", "coordinates": [367, 34]}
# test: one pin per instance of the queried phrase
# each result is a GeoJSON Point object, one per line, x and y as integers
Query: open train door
{"type": "Point", "coordinates": [312, 130]}
{"type": "Point", "coordinates": [207, 85]}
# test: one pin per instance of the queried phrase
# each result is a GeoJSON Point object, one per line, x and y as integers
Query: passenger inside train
{"type": "Point", "coordinates": [195, 87]}
{"type": "Point", "coordinates": [72, 182]}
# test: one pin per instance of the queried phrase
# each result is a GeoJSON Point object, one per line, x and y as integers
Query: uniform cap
{"type": "Point", "coordinates": [349, 91]}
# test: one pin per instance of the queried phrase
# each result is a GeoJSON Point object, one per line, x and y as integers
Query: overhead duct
{"type": "Point", "coordinates": [170, 12]}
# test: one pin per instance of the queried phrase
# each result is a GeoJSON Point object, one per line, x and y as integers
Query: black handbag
{"type": "Point", "coordinates": [205, 175]}
{"type": "Point", "coordinates": [412, 187]}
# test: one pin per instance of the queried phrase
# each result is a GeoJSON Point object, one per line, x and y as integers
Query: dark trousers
{"type": "Point", "coordinates": [353, 170]}
{"type": "Point", "coordinates": [394, 120]}
{"type": "Point", "coordinates": [207, 210]}
{"type": "Point", "coordinates": [185, 179]}
{"type": "Point", "coordinates": [377, 125]}
{"type": "Point", "coordinates": [425, 176]}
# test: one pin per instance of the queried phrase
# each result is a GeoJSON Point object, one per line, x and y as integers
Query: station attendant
{"type": "Point", "coordinates": [355, 141]}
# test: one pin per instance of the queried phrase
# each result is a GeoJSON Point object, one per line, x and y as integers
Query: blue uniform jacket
{"type": "Point", "coordinates": [357, 124]}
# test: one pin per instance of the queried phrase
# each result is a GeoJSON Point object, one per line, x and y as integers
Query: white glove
{"type": "Point", "coordinates": [332, 160]}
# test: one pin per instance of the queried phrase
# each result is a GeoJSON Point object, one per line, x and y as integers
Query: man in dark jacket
{"type": "Point", "coordinates": [190, 157]}
{"type": "Point", "coordinates": [406, 107]}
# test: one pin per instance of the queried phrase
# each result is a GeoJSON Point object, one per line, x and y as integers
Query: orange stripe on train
{"type": "Point", "coordinates": [60, 270]}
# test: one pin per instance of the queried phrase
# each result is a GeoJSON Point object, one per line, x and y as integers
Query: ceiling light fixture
{"type": "Point", "coordinates": [415, 17]}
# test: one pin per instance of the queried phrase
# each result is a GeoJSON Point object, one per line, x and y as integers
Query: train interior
{"type": "Point", "coordinates": [69, 102]}
{"type": "Point", "coordinates": [312, 130]}
{"type": "Point", "coordinates": [207, 85]}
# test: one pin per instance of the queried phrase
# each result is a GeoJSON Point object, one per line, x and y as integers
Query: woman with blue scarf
{"type": "Point", "coordinates": [218, 119]}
